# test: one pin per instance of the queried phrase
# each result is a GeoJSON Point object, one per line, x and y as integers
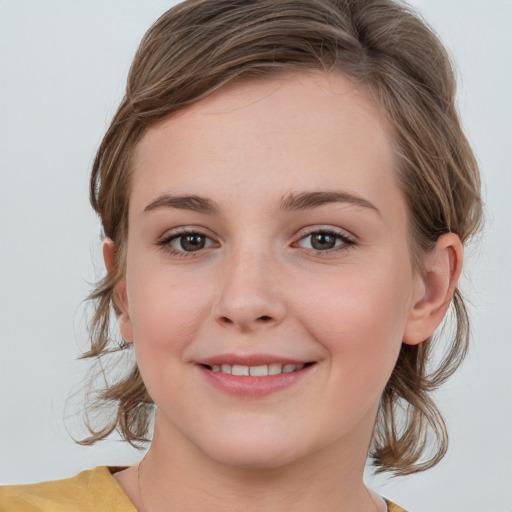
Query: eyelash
{"type": "Point", "coordinates": [165, 243]}
{"type": "Point", "coordinates": [342, 242]}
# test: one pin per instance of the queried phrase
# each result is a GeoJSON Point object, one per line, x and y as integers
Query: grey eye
{"type": "Point", "coordinates": [190, 242]}
{"type": "Point", "coordinates": [323, 241]}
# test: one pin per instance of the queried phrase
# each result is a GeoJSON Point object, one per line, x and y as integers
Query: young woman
{"type": "Point", "coordinates": [285, 192]}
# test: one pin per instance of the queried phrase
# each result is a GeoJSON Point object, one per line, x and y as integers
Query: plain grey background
{"type": "Point", "coordinates": [63, 66]}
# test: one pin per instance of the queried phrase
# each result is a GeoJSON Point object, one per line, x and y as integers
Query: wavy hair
{"type": "Point", "coordinates": [200, 45]}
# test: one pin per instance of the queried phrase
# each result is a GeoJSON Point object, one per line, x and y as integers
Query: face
{"type": "Point", "coordinates": [268, 283]}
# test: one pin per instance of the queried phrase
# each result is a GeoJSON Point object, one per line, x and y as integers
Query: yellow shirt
{"type": "Point", "coordinates": [94, 490]}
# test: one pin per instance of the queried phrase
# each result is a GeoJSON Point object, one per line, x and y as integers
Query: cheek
{"type": "Point", "coordinates": [360, 324]}
{"type": "Point", "coordinates": [165, 313]}
{"type": "Point", "coordinates": [360, 317]}
{"type": "Point", "coordinates": [165, 321]}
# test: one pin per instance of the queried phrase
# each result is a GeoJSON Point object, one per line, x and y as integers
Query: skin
{"type": "Point", "coordinates": [259, 286]}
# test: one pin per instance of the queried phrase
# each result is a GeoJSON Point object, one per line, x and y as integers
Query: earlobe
{"type": "Point", "coordinates": [120, 299]}
{"type": "Point", "coordinates": [434, 289]}
{"type": "Point", "coordinates": [109, 255]}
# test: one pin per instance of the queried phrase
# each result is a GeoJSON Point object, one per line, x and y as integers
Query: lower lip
{"type": "Point", "coordinates": [253, 387]}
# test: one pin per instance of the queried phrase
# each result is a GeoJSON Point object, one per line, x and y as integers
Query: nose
{"type": "Point", "coordinates": [249, 294]}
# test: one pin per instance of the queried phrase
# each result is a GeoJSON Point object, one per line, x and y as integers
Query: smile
{"type": "Point", "coordinates": [254, 380]}
{"type": "Point", "coordinates": [256, 371]}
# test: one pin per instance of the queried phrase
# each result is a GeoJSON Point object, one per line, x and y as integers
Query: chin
{"type": "Point", "coordinates": [252, 459]}
{"type": "Point", "coordinates": [256, 451]}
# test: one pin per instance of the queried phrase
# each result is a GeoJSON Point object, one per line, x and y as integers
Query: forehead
{"type": "Point", "coordinates": [285, 133]}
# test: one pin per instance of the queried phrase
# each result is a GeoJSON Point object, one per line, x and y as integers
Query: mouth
{"type": "Point", "coordinates": [261, 370]}
{"type": "Point", "coordinates": [257, 378]}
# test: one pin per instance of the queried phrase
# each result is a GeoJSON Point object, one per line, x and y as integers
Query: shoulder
{"type": "Point", "coordinates": [394, 508]}
{"type": "Point", "coordinates": [92, 490]}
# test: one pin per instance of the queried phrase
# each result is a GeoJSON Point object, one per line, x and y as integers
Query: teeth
{"type": "Point", "coordinates": [275, 369]}
{"type": "Point", "coordinates": [238, 369]}
{"type": "Point", "coordinates": [225, 368]}
{"type": "Point", "coordinates": [256, 371]}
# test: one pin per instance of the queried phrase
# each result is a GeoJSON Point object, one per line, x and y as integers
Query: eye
{"type": "Point", "coordinates": [186, 242]}
{"type": "Point", "coordinates": [324, 240]}
{"type": "Point", "coordinates": [190, 242]}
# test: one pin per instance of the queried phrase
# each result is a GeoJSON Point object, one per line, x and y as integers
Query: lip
{"type": "Point", "coordinates": [252, 387]}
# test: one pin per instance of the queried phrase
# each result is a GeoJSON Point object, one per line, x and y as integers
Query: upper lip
{"type": "Point", "coordinates": [250, 360]}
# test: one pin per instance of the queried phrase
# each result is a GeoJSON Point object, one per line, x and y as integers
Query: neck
{"type": "Point", "coordinates": [176, 476]}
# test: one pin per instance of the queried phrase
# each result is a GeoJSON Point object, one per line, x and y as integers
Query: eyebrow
{"type": "Point", "coordinates": [291, 202]}
{"type": "Point", "coordinates": [305, 200]}
{"type": "Point", "coordinates": [194, 203]}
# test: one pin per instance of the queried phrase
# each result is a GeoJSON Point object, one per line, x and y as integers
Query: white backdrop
{"type": "Point", "coordinates": [62, 69]}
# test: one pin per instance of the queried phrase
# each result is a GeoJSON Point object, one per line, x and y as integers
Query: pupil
{"type": "Point", "coordinates": [322, 241]}
{"type": "Point", "coordinates": [192, 242]}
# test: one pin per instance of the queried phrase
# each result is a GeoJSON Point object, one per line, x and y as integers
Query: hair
{"type": "Point", "coordinates": [200, 45]}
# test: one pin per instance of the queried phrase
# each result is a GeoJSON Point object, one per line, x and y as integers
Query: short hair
{"type": "Point", "coordinates": [197, 47]}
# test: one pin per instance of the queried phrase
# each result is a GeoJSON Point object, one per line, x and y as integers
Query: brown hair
{"type": "Point", "coordinates": [200, 45]}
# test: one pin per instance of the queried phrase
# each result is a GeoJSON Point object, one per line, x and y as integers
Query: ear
{"type": "Point", "coordinates": [434, 288]}
{"type": "Point", "coordinates": [120, 298]}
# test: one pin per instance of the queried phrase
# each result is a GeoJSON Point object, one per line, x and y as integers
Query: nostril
{"type": "Point", "coordinates": [245, 322]}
